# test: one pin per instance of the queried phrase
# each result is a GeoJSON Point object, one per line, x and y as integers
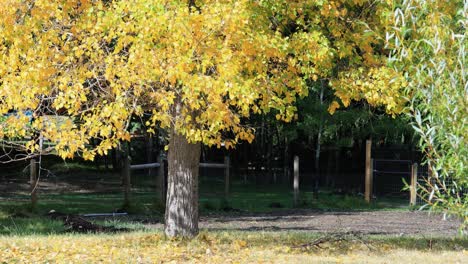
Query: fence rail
{"type": "Point", "coordinates": [377, 173]}
{"type": "Point", "coordinates": [145, 166]}
{"type": "Point", "coordinates": [162, 177]}
{"type": "Point", "coordinates": [157, 165]}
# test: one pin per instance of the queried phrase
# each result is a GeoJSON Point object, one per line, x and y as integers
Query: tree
{"type": "Point", "coordinates": [197, 67]}
{"type": "Point", "coordinates": [354, 62]}
{"type": "Point", "coordinates": [430, 41]}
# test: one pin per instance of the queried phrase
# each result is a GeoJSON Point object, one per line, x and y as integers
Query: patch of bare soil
{"type": "Point", "coordinates": [377, 222]}
{"type": "Point", "coordinates": [373, 222]}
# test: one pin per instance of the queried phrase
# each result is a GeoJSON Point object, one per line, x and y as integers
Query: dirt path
{"type": "Point", "coordinates": [376, 222]}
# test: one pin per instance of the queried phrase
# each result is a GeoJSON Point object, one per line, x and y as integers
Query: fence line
{"type": "Point", "coordinates": [162, 177]}
{"type": "Point", "coordinates": [145, 166]}
{"type": "Point", "coordinates": [390, 160]}
{"type": "Point", "coordinates": [372, 169]}
{"type": "Point", "coordinates": [157, 164]}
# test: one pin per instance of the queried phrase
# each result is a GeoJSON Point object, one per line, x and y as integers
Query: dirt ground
{"type": "Point", "coordinates": [372, 222]}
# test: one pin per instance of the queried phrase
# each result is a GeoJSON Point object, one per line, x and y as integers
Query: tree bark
{"type": "Point", "coordinates": [33, 183]}
{"type": "Point", "coordinates": [285, 160]}
{"type": "Point", "coordinates": [126, 177]}
{"type": "Point", "coordinates": [182, 191]}
{"type": "Point", "coordinates": [149, 152]}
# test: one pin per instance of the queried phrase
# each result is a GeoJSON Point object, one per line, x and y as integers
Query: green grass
{"type": "Point", "coordinates": [17, 217]}
{"type": "Point", "coordinates": [29, 226]}
{"type": "Point", "coordinates": [243, 197]}
{"type": "Point", "coordinates": [28, 236]}
{"type": "Point", "coordinates": [269, 197]}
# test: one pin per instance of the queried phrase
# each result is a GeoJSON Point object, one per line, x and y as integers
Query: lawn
{"type": "Point", "coordinates": [16, 217]}
{"type": "Point", "coordinates": [86, 197]}
{"type": "Point", "coordinates": [28, 236]}
{"type": "Point", "coordinates": [228, 247]}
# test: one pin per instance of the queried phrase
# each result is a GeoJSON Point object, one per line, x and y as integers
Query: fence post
{"type": "Point", "coordinates": [226, 176]}
{"type": "Point", "coordinates": [369, 172]}
{"type": "Point", "coordinates": [296, 181]}
{"type": "Point", "coordinates": [127, 180]}
{"type": "Point", "coordinates": [414, 180]}
{"type": "Point", "coordinates": [33, 182]}
{"type": "Point", "coordinates": [161, 179]}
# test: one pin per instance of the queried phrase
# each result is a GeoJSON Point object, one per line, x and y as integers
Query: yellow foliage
{"type": "Point", "coordinates": [379, 86]}
{"type": "Point", "coordinates": [333, 106]}
{"type": "Point", "coordinates": [199, 71]}
{"type": "Point", "coordinates": [344, 42]}
{"type": "Point", "coordinates": [223, 247]}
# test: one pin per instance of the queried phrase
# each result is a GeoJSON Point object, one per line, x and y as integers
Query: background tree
{"type": "Point", "coordinates": [352, 69]}
{"type": "Point", "coordinates": [355, 61]}
{"type": "Point", "coordinates": [429, 41]}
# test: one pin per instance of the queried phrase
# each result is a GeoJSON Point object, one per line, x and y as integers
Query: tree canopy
{"type": "Point", "coordinates": [76, 71]}
{"type": "Point", "coordinates": [100, 62]}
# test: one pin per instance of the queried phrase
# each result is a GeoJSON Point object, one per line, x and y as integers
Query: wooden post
{"type": "Point", "coordinates": [161, 179]}
{"type": "Point", "coordinates": [33, 182]}
{"type": "Point", "coordinates": [414, 180]}
{"type": "Point", "coordinates": [226, 177]}
{"type": "Point", "coordinates": [296, 181]}
{"type": "Point", "coordinates": [127, 180]}
{"type": "Point", "coordinates": [369, 172]}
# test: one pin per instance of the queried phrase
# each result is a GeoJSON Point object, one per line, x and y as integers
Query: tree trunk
{"type": "Point", "coordinates": [126, 175]}
{"type": "Point", "coordinates": [286, 160]}
{"type": "Point", "coordinates": [116, 166]}
{"type": "Point", "coordinates": [317, 149]}
{"type": "Point", "coordinates": [33, 183]}
{"type": "Point", "coordinates": [149, 152]}
{"type": "Point", "coordinates": [182, 191]}
{"type": "Point", "coordinates": [161, 179]}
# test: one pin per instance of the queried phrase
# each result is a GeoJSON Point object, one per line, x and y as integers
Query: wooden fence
{"type": "Point", "coordinates": [162, 177]}
{"type": "Point", "coordinates": [371, 170]}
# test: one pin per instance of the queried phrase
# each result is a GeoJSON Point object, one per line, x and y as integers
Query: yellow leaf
{"type": "Point", "coordinates": [333, 106]}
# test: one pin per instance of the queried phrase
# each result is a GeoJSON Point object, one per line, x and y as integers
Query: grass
{"type": "Point", "coordinates": [17, 218]}
{"type": "Point", "coordinates": [247, 198]}
{"type": "Point", "coordinates": [38, 226]}
{"type": "Point", "coordinates": [78, 203]}
{"type": "Point", "coordinates": [226, 247]}
{"type": "Point", "coordinates": [250, 197]}
{"type": "Point", "coordinates": [264, 199]}
{"type": "Point", "coordinates": [278, 197]}
{"type": "Point", "coordinates": [29, 226]}
{"type": "Point", "coordinates": [27, 236]}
